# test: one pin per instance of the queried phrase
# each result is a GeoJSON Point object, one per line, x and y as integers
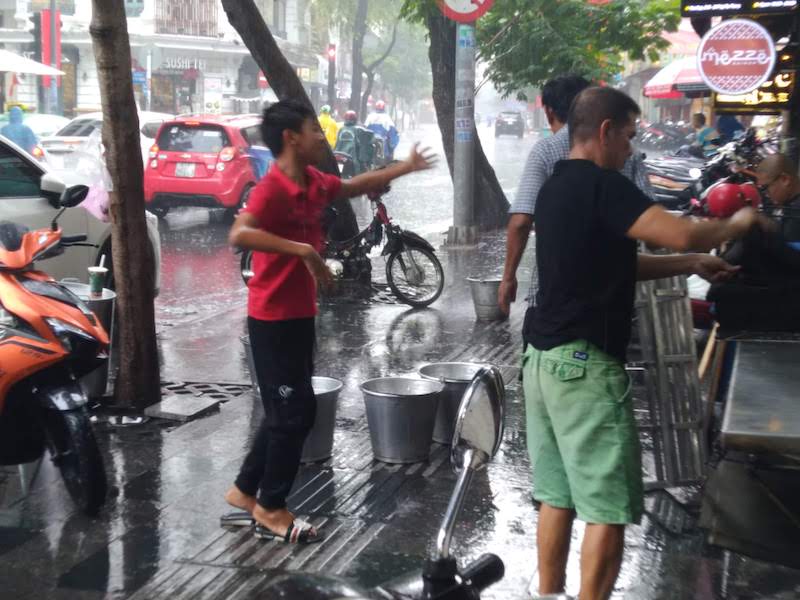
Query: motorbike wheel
{"type": "Point", "coordinates": [415, 276]}
{"type": "Point", "coordinates": [246, 266]}
{"type": "Point", "coordinates": [75, 452]}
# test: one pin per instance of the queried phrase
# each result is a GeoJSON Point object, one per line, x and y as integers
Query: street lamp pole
{"type": "Point", "coordinates": [331, 75]}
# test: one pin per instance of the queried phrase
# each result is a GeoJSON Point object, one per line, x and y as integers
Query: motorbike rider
{"type": "Point", "coordinates": [706, 137]}
{"type": "Point", "coordinates": [281, 225]}
{"type": "Point", "coordinates": [557, 97]}
{"type": "Point", "coordinates": [18, 132]}
{"type": "Point", "coordinates": [582, 433]}
{"type": "Point", "coordinates": [356, 142]}
{"type": "Point", "coordinates": [328, 124]}
{"type": "Point", "coordinates": [381, 124]}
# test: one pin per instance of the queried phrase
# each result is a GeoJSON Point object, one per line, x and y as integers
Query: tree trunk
{"type": "Point", "coordinates": [359, 33]}
{"type": "Point", "coordinates": [365, 97]}
{"type": "Point", "coordinates": [138, 383]}
{"type": "Point", "coordinates": [491, 205]}
{"type": "Point", "coordinates": [370, 71]}
{"type": "Point", "coordinates": [282, 77]}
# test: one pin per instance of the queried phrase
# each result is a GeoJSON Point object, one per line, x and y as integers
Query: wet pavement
{"type": "Point", "coordinates": [159, 535]}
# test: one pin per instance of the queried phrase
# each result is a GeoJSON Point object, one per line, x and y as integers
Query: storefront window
{"type": "Point", "coordinates": [67, 7]}
{"type": "Point", "coordinates": [134, 8]}
{"type": "Point", "coordinates": [187, 17]}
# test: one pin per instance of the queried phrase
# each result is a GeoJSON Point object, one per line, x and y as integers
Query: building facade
{"type": "Point", "coordinates": [185, 55]}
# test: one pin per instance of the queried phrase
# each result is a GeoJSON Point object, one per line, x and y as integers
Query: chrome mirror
{"type": "Point", "coordinates": [478, 433]}
{"type": "Point", "coordinates": [481, 420]}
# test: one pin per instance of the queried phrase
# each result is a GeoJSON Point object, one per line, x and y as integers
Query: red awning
{"type": "Point", "coordinates": [677, 77]}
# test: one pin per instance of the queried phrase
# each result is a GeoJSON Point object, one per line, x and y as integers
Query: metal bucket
{"type": "Point", "coordinates": [484, 298]}
{"type": "Point", "coordinates": [95, 384]}
{"type": "Point", "coordinates": [455, 377]}
{"type": "Point", "coordinates": [319, 443]}
{"type": "Point", "coordinates": [401, 413]}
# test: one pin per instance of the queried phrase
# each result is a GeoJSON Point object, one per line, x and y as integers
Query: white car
{"type": "Point", "coordinates": [83, 133]}
{"type": "Point", "coordinates": [22, 201]}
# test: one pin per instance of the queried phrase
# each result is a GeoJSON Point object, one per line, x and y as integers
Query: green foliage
{"type": "Point", "coordinates": [407, 71]}
{"type": "Point", "coordinates": [526, 42]}
{"type": "Point", "coordinates": [342, 13]}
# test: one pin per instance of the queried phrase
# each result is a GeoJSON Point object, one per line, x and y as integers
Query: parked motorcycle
{"type": "Point", "coordinates": [48, 339]}
{"type": "Point", "coordinates": [413, 271]}
{"type": "Point", "coordinates": [678, 180]}
{"type": "Point", "coordinates": [477, 437]}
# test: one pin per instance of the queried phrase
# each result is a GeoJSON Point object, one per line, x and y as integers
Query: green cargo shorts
{"type": "Point", "coordinates": [582, 437]}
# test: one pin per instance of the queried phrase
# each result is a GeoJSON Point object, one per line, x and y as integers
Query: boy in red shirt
{"type": "Point", "coordinates": [282, 225]}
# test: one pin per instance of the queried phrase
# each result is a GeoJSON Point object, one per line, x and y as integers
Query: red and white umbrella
{"type": "Point", "coordinates": [677, 77]}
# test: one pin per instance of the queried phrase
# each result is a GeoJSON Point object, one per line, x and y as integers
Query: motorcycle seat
{"type": "Point", "coordinates": [11, 235]}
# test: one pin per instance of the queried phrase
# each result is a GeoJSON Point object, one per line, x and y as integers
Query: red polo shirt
{"type": "Point", "coordinates": [281, 287]}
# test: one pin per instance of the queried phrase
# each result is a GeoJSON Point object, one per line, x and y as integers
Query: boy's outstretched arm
{"type": "Point", "coordinates": [418, 160]}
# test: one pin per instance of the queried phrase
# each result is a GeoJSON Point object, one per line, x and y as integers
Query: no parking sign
{"type": "Point", "coordinates": [465, 11]}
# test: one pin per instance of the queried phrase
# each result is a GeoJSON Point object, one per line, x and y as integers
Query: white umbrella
{"type": "Point", "coordinates": [14, 63]}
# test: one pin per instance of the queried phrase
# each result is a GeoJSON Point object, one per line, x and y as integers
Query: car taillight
{"type": "Point", "coordinates": [37, 152]}
{"type": "Point", "coordinates": [227, 154]}
{"type": "Point", "coordinates": [154, 151]}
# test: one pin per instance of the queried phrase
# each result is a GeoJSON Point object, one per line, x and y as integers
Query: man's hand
{"type": "Point", "coordinates": [713, 269]}
{"type": "Point", "coordinates": [507, 294]}
{"type": "Point", "coordinates": [317, 267]}
{"type": "Point", "coordinates": [420, 160]}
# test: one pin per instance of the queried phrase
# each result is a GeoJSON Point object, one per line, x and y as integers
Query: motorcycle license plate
{"type": "Point", "coordinates": [184, 170]}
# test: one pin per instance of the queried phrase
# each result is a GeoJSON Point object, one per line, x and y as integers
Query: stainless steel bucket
{"type": "Point", "coordinates": [484, 298]}
{"type": "Point", "coordinates": [456, 377]}
{"type": "Point", "coordinates": [401, 413]}
{"type": "Point", "coordinates": [319, 443]}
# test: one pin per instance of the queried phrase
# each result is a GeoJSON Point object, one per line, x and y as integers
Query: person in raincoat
{"type": "Point", "coordinates": [328, 125]}
{"type": "Point", "coordinates": [381, 124]}
{"type": "Point", "coordinates": [18, 132]}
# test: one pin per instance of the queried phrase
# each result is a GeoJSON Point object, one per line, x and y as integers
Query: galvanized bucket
{"type": "Point", "coordinates": [401, 413]}
{"type": "Point", "coordinates": [319, 443]}
{"type": "Point", "coordinates": [455, 377]}
{"type": "Point", "coordinates": [484, 299]}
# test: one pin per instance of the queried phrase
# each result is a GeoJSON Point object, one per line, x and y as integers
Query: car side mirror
{"type": "Point", "coordinates": [73, 196]}
{"type": "Point", "coordinates": [52, 187]}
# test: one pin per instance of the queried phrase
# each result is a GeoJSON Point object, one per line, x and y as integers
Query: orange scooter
{"type": "Point", "coordinates": [48, 339]}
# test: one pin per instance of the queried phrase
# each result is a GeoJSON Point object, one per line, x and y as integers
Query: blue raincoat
{"type": "Point", "coordinates": [17, 132]}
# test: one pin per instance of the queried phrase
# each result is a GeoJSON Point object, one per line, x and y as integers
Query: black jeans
{"type": "Point", "coordinates": [283, 353]}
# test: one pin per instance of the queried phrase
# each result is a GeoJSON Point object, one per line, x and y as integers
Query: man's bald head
{"type": "Point", "coordinates": [778, 175]}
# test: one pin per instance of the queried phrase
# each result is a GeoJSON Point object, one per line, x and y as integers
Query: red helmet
{"type": "Point", "coordinates": [724, 199]}
{"type": "Point", "coordinates": [380, 105]}
{"type": "Point", "coordinates": [351, 117]}
{"type": "Point", "coordinates": [751, 194]}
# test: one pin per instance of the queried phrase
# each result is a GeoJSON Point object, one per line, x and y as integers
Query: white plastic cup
{"type": "Point", "coordinates": [97, 279]}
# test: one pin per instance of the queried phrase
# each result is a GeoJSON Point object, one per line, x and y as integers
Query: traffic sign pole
{"type": "Point", "coordinates": [464, 230]}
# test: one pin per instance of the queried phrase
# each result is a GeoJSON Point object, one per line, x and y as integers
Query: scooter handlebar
{"type": "Point", "coordinates": [73, 239]}
{"type": "Point", "coordinates": [486, 571]}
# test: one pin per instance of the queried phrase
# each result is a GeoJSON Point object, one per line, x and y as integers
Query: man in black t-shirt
{"type": "Point", "coordinates": [582, 437]}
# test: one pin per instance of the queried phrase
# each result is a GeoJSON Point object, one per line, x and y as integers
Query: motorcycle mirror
{"type": "Point", "coordinates": [478, 433]}
{"type": "Point", "coordinates": [52, 187]}
{"type": "Point", "coordinates": [73, 196]}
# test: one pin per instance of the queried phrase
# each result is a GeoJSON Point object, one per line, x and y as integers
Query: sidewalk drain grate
{"type": "Point", "coordinates": [218, 391]}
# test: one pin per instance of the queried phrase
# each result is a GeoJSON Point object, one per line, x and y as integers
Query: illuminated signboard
{"type": "Point", "coordinates": [770, 99]}
{"type": "Point", "coordinates": [705, 8]}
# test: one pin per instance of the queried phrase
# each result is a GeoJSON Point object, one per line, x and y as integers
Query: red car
{"type": "Point", "coordinates": [205, 160]}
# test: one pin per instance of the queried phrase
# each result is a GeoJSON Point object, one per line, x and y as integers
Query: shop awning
{"type": "Point", "coordinates": [677, 77]}
{"type": "Point", "coordinates": [14, 63]}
